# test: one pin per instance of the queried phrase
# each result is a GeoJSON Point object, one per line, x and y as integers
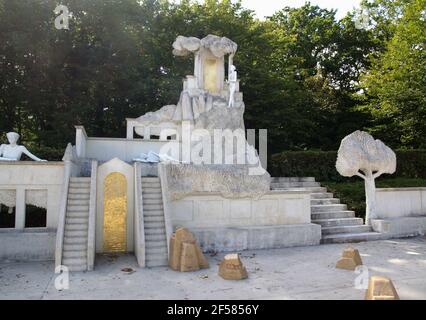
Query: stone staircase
{"type": "Point", "coordinates": [338, 224]}
{"type": "Point", "coordinates": [74, 251]}
{"type": "Point", "coordinates": [156, 253]}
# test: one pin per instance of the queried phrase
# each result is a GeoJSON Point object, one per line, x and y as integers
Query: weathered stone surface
{"type": "Point", "coordinates": [231, 268]}
{"type": "Point", "coordinates": [231, 181]}
{"type": "Point", "coordinates": [350, 259]}
{"type": "Point", "coordinates": [185, 254]}
{"type": "Point", "coordinates": [381, 288]}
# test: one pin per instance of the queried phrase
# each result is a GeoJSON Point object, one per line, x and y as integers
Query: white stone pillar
{"type": "Point", "coordinates": [20, 209]}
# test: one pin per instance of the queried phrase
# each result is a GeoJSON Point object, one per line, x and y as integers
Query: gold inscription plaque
{"type": "Point", "coordinates": [210, 75]}
{"type": "Point", "coordinates": [115, 213]}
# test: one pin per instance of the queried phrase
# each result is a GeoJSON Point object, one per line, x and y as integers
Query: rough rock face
{"type": "Point", "coordinates": [231, 268]}
{"type": "Point", "coordinates": [185, 254]}
{"type": "Point", "coordinates": [381, 288]}
{"type": "Point", "coordinates": [231, 181]}
{"type": "Point", "coordinates": [349, 260]}
{"type": "Point", "coordinates": [221, 117]}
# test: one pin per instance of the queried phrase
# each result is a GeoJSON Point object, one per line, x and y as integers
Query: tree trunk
{"type": "Point", "coordinates": [370, 197]}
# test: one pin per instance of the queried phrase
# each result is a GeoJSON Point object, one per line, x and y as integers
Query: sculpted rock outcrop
{"type": "Point", "coordinates": [360, 155]}
{"type": "Point", "coordinates": [185, 254]}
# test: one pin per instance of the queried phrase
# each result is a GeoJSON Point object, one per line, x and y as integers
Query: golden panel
{"type": "Point", "coordinates": [115, 213]}
{"type": "Point", "coordinates": [210, 75]}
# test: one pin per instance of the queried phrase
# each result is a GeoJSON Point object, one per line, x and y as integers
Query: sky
{"type": "Point", "coordinates": [268, 7]}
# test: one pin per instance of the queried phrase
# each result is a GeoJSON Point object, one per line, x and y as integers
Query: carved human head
{"type": "Point", "coordinates": [233, 68]}
{"type": "Point", "coordinates": [12, 137]}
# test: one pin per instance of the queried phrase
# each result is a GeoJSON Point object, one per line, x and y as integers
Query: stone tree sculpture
{"type": "Point", "coordinates": [360, 155]}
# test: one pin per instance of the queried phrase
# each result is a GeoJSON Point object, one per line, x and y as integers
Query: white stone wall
{"type": "Point", "coordinates": [212, 210]}
{"type": "Point", "coordinates": [28, 179]}
{"type": "Point", "coordinates": [105, 149]}
{"type": "Point", "coordinates": [401, 202]}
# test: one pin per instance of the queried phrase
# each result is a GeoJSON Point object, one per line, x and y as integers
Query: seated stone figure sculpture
{"type": "Point", "coordinates": [13, 151]}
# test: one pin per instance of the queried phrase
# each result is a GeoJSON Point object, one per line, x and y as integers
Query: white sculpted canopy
{"type": "Point", "coordinates": [361, 155]}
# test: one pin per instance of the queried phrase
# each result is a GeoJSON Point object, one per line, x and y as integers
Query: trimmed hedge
{"type": "Point", "coordinates": [321, 165]}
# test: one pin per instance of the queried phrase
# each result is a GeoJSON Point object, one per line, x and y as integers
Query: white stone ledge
{"type": "Point", "coordinates": [28, 245]}
{"type": "Point", "coordinates": [400, 189]}
{"type": "Point", "coordinates": [257, 237]}
{"type": "Point", "coordinates": [400, 227]}
{"type": "Point", "coordinates": [32, 163]}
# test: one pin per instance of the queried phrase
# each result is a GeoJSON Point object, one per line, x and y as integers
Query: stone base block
{"type": "Point", "coordinates": [27, 245]}
{"type": "Point", "coordinates": [349, 260]}
{"type": "Point", "coordinates": [381, 288]}
{"type": "Point", "coordinates": [257, 238]}
{"type": "Point", "coordinates": [400, 227]}
{"type": "Point", "coordinates": [231, 268]}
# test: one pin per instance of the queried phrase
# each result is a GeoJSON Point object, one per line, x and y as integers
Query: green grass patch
{"type": "Point", "coordinates": [352, 192]}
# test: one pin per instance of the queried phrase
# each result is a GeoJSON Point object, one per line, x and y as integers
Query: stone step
{"type": "Point", "coordinates": [78, 202]}
{"type": "Point", "coordinates": [79, 190]}
{"type": "Point", "coordinates": [150, 179]}
{"type": "Point", "coordinates": [78, 234]}
{"type": "Point", "coordinates": [345, 229]}
{"type": "Point", "coordinates": [153, 196]}
{"type": "Point", "coordinates": [75, 185]}
{"type": "Point", "coordinates": [74, 261]}
{"type": "Point", "coordinates": [158, 237]}
{"type": "Point", "coordinates": [76, 227]}
{"type": "Point", "coordinates": [77, 208]}
{"type": "Point", "coordinates": [77, 214]}
{"type": "Point", "coordinates": [75, 247]}
{"type": "Point", "coordinates": [294, 184]}
{"type": "Point", "coordinates": [321, 195]}
{"type": "Point", "coordinates": [293, 179]}
{"type": "Point", "coordinates": [156, 231]}
{"type": "Point", "coordinates": [329, 208]}
{"type": "Point", "coordinates": [156, 244]}
{"type": "Point", "coordinates": [152, 207]}
{"type": "Point", "coordinates": [74, 221]}
{"type": "Point", "coordinates": [147, 185]}
{"type": "Point", "coordinates": [151, 191]}
{"type": "Point", "coordinates": [77, 268]}
{"type": "Point", "coordinates": [79, 196]}
{"type": "Point", "coordinates": [154, 225]}
{"type": "Point", "coordinates": [157, 261]}
{"type": "Point", "coordinates": [317, 202]}
{"type": "Point", "coordinates": [74, 254]}
{"type": "Point", "coordinates": [307, 189]}
{"type": "Point", "coordinates": [333, 215]}
{"type": "Point", "coordinates": [75, 240]}
{"type": "Point", "coordinates": [80, 179]}
{"type": "Point", "coordinates": [158, 201]}
{"type": "Point", "coordinates": [351, 237]}
{"type": "Point", "coordinates": [154, 219]}
{"type": "Point", "coordinates": [339, 222]}
{"type": "Point", "coordinates": [153, 213]}
{"type": "Point", "coordinates": [150, 251]}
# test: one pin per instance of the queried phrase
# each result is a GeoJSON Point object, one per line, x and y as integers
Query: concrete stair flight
{"type": "Point", "coordinates": [338, 224]}
{"type": "Point", "coordinates": [74, 252]}
{"type": "Point", "coordinates": [156, 254]}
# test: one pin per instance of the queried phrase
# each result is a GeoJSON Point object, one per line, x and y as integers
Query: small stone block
{"type": "Point", "coordinates": [231, 268]}
{"type": "Point", "coordinates": [350, 259]}
{"type": "Point", "coordinates": [381, 288]}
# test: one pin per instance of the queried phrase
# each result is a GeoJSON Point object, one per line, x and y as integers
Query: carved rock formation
{"type": "Point", "coordinates": [381, 288]}
{"type": "Point", "coordinates": [185, 254]}
{"type": "Point", "coordinates": [231, 268]}
{"type": "Point", "coordinates": [350, 259]}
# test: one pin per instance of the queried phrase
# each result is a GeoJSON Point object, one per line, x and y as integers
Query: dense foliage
{"type": "Point", "coordinates": [321, 165]}
{"type": "Point", "coordinates": [307, 77]}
